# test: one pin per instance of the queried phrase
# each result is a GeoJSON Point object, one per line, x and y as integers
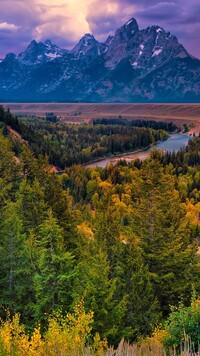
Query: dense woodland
{"type": "Point", "coordinates": [115, 248]}
{"type": "Point", "coordinates": [66, 144]}
{"type": "Point", "coordinates": [156, 125]}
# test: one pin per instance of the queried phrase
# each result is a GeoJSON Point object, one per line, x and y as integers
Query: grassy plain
{"type": "Point", "coordinates": [83, 112]}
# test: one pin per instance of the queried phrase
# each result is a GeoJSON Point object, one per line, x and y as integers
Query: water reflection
{"type": "Point", "coordinates": [174, 143]}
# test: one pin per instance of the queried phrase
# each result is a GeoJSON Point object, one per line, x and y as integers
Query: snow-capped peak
{"type": "Point", "coordinates": [39, 52]}
{"type": "Point", "coordinates": [87, 40]}
{"type": "Point", "coordinates": [128, 30]}
{"type": "Point", "coordinates": [48, 42]}
{"type": "Point", "coordinates": [159, 30]}
{"type": "Point", "coordinates": [88, 47]}
{"type": "Point", "coordinates": [131, 21]}
{"type": "Point", "coordinates": [88, 36]}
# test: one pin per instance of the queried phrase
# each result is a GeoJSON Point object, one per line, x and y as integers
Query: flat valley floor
{"type": "Point", "coordinates": [84, 113]}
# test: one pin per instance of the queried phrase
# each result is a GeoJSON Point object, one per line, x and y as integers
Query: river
{"type": "Point", "coordinates": [174, 143]}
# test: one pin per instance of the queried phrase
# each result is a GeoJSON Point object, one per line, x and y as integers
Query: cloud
{"type": "Point", "coordinates": [64, 17]}
{"type": "Point", "coordinates": [108, 17]}
{"type": "Point", "coordinates": [24, 15]}
{"type": "Point", "coordinates": [65, 21]}
{"type": "Point", "coordinates": [163, 11]}
{"type": "Point", "coordinates": [8, 26]}
{"type": "Point", "coordinates": [181, 18]}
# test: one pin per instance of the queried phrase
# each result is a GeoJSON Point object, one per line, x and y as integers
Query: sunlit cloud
{"type": "Point", "coordinates": [64, 17]}
{"type": "Point", "coordinates": [104, 20]}
{"type": "Point", "coordinates": [8, 26]}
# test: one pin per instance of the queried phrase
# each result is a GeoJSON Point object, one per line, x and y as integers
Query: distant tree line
{"type": "Point", "coordinates": [156, 125]}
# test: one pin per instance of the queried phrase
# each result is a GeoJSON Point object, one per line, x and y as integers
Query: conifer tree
{"type": "Point", "coordinates": [55, 269]}
{"type": "Point", "coordinates": [142, 308]}
{"type": "Point", "coordinates": [158, 221]}
{"type": "Point", "coordinates": [9, 171]}
{"type": "Point", "coordinates": [14, 269]}
{"type": "Point", "coordinates": [99, 289]}
{"type": "Point", "coordinates": [32, 206]}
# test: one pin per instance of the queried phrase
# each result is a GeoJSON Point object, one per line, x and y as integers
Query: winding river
{"type": "Point", "coordinates": [173, 143]}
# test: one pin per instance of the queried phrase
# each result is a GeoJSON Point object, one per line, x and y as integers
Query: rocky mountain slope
{"type": "Point", "coordinates": [134, 65]}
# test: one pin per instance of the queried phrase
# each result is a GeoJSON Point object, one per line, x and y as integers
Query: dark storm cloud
{"type": "Point", "coordinates": [102, 25]}
{"type": "Point", "coordinates": [160, 12]}
{"type": "Point", "coordinates": [20, 15]}
{"type": "Point", "coordinates": [181, 18]}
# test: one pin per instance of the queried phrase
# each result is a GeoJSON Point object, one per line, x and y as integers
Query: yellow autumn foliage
{"type": "Point", "coordinates": [192, 212]}
{"type": "Point", "coordinates": [85, 230]}
{"type": "Point", "coordinates": [15, 341]}
{"type": "Point", "coordinates": [65, 335]}
{"type": "Point", "coordinates": [105, 186]}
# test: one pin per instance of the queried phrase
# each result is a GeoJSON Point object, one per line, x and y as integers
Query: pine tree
{"type": "Point", "coordinates": [32, 206]}
{"type": "Point", "coordinates": [59, 201]}
{"type": "Point", "coordinates": [142, 309]}
{"type": "Point", "coordinates": [159, 223]}
{"type": "Point", "coordinates": [95, 284]}
{"type": "Point", "coordinates": [55, 269]}
{"type": "Point", "coordinates": [9, 171]}
{"type": "Point", "coordinates": [15, 274]}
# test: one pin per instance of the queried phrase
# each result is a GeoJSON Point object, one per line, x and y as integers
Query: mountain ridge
{"type": "Point", "coordinates": [133, 65]}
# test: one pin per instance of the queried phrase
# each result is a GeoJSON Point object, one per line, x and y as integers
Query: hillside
{"type": "Point", "coordinates": [94, 259]}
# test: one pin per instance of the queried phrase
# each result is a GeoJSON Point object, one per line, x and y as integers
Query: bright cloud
{"type": "Point", "coordinates": [71, 19]}
{"type": "Point", "coordinates": [8, 26]}
{"type": "Point", "coordinates": [64, 17]}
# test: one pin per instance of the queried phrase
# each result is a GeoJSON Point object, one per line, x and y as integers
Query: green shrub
{"type": "Point", "coordinates": [183, 327]}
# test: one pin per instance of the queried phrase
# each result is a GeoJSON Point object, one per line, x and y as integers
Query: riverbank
{"type": "Point", "coordinates": [116, 156]}
{"type": "Point", "coordinates": [174, 143]}
{"type": "Point", "coordinates": [97, 162]}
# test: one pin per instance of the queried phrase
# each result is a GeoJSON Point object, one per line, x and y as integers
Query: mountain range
{"type": "Point", "coordinates": [133, 65]}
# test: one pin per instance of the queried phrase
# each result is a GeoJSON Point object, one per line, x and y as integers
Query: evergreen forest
{"type": "Point", "coordinates": [101, 261]}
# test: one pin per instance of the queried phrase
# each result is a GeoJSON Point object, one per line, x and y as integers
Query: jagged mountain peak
{"type": "Point", "coordinates": [162, 43]}
{"type": "Point", "coordinates": [132, 23]}
{"type": "Point", "coordinates": [128, 30]}
{"type": "Point", "coordinates": [88, 36]}
{"type": "Point", "coordinates": [39, 52]}
{"type": "Point", "coordinates": [132, 64]}
{"type": "Point", "coordinates": [88, 48]}
{"type": "Point", "coordinates": [10, 56]}
{"type": "Point", "coordinates": [33, 43]}
{"type": "Point", "coordinates": [158, 31]}
{"type": "Point", "coordinates": [87, 40]}
{"type": "Point", "coordinates": [146, 48]}
{"type": "Point", "coordinates": [48, 42]}
{"type": "Point", "coordinates": [122, 39]}
{"type": "Point", "coordinates": [31, 47]}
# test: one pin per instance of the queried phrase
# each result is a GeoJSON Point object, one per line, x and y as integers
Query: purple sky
{"type": "Point", "coordinates": [65, 21]}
